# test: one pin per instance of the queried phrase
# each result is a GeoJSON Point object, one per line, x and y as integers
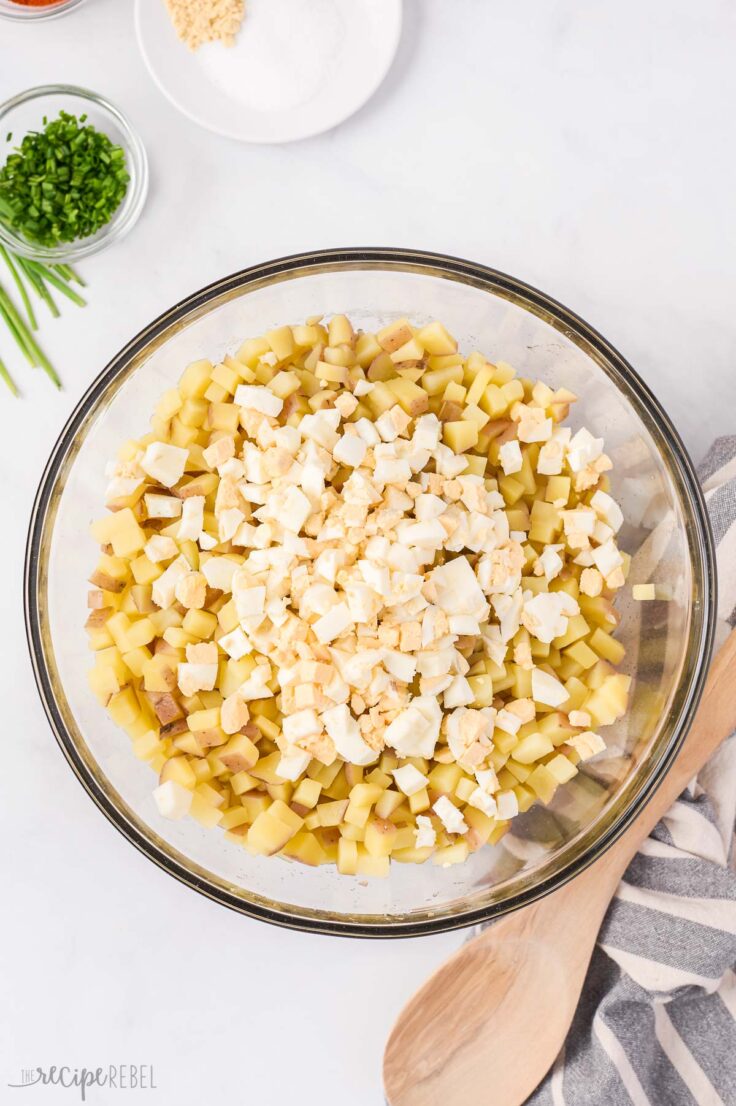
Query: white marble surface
{"type": "Point", "coordinates": [584, 148]}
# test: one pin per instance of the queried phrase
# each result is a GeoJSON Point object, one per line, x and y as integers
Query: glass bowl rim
{"type": "Point", "coordinates": [126, 216]}
{"type": "Point", "coordinates": [448, 267]}
{"type": "Point", "coordinates": [19, 13]}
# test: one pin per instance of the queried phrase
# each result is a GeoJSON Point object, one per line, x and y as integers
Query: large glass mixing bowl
{"type": "Point", "coordinates": [666, 532]}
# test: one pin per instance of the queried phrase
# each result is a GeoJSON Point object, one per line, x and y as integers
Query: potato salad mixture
{"type": "Point", "coordinates": [354, 600]}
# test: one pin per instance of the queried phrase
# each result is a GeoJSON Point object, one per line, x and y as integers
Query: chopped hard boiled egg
{"type": "Point", "coordinates": [354, 598]}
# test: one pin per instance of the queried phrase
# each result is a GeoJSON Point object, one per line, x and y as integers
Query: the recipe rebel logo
{"type": "Point", "coordinates": [114, 1077]}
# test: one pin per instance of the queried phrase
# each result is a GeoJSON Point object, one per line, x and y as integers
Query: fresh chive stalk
{"type": "Point", "coordinates": [38, 278]}
{"type": "Point", "coordinates": [42, 271]}
{"type": "Point", "coordinates": [28, 344]}
{"type": "Point", "coordinates": [5, 375]}
{"type": "Point", "coordinates": [38, 286]}
{"type": "Point", "coordinates": [32, 274]}
{"type": "Point", "coordinates": [20, 286]}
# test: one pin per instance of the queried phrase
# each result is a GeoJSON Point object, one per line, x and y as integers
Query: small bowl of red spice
{"type": "Point", "coordinates": [27, 10]}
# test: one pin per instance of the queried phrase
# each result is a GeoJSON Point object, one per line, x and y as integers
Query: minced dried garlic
{"type": "Point", "coordinates": [199, 21]}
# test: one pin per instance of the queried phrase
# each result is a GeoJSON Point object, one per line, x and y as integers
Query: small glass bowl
{"type": "Point", "coordinates": [25, 112]}
{"type": "Point", "coordinates": [22, 14]}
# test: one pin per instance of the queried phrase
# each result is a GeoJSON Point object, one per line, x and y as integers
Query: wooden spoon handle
{"type": "Point", "coordinates": [497, 1012]}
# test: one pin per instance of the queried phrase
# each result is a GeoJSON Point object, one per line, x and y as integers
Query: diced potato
{"type": "Point", "coordinates": [123, 707]}
{"type": "Point", "coordinates": [347, 857]}
{"type": "Point", "coordinates": [558, 489]}
{"type": "Point", "coordinates": [543, 783]}
{"type": "Point", "coordinates": [305, 848]}
{"type": "Point", "coordinates": [136, 658]}
{"type": "Point", "coordinates": [577, 628]}
{"type": "Point", "coordinates": [216, 393]}
{"type": "Point", "coordinates": [111, 574]}
{"type": "Point", "coordinates": [608, 702]}
{"type": "Point", "coordinates": [122, 531]}
{"type": "Point", "coordinates": [234, 817]}
{"type": "Point", "coordinates": [147, 745]}
{"type": "Point", "coordinates": [435, 381]}
{"type": "Point", "coordinates": [460, 436]}
{"type": "Point", "coordinates": [192, 415]}
{"type": "Point", "coordinates": [411, 397]}
{"type": "Point", "coordinates": [411, 855]}
{"type": "Point", "coordinates": [561, 768]}
{"type": "Point", "coordinates": [369, 865]}
{"type": "Point", "coordinates": [520, 772]}
{"type": "Point", "coordinates": [482, 688]}
{"type": "Point", "coordinates": [493, 401]}
{"type": "Point", "coordinates": [204, 812]}
{"type": "Point", "coordinates": [195, 379]}
{"type": "Point", "coordinates": [513, 390]}
{"type": "Point", "coordinates": [332, 813]}
{"type": "Point", "coordinates": [532, 748]}
{"type": "Point", "coordinates": [180, 770]}
{"type": "Point", "coordinates": [436, 340]}
{"type": "Point", "coordinates": [480, 382]}
{"type": "Point", "coordinates": [606, 646]}
{"type": "Point", "coordinates": [239, 754]}
{"type": "Point", "coordinates": [379, 837]}
{"type": "Point", "coordinates": [451, 854]}
{"type": "Point", "coordinates": [241, 782]}
{"type": "Point", "coordinates": [357, 815]}
{"type": "Point", "coordinates": [481, 827]}
{"type": "Point", "coordinates": [511, 489]}
{"type": "Point", "coordinates": [307, 793]}
{"type": "Point", "coordinates": [410, 351]}
{"type": "Point", "coordinates": [269, 833]}
{"type": "Point", "coordinates": [104, 683]}
{"type": "Point", "coordinates": [418, 802]}
{"type": "Point", "coordinates": [387, 803]}
{"type": "Point", "coordinates": [380, 399]}
{"type": "Point", "coordinates": [331, 374]}
{"type": "Point", "coordinates": [582, 654]}
{"type": "Point", "coordinates": [444, 778]}
{"type": "Point", "coordinates": [351, 815]}
{"type": "Point", "coordinates": [394, 335]}
{"type": "Point", "coordinates": [281, 341]}
{"type": "Point", "coordinates": [546, 522]}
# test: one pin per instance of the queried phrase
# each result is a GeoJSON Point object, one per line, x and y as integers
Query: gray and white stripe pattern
{"type": "Point", "coordinates": [656, 1025]}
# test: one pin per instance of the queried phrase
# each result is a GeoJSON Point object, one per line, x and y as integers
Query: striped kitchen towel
{"type": "Point", "coordinates": [656, 1025]}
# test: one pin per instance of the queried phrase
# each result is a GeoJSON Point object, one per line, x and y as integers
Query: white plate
{"type": "Point", "coordinates": [298, 67]}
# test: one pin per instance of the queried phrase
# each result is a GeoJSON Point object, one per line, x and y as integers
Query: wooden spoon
{"type": "Point", "coordinates": [488, 1025]}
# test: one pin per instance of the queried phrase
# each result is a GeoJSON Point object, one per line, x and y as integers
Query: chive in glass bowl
{"type": "Point", "coordinates": [26, 112]}
{"type": "Point", "coordinates": [30, 13]}
{"type": "Point", "coordinates": [668, 641]}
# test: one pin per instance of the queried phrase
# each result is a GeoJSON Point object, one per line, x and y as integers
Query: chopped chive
{"type": "Point", "coordinates": [62, 183]}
